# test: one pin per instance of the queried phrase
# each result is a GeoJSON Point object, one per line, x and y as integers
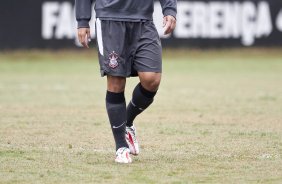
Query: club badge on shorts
{"type": "Point", "coordinates": [113, 60]}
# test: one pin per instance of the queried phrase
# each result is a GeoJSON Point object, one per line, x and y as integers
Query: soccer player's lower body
{"type": "Point", "coordinates": [128, 49]}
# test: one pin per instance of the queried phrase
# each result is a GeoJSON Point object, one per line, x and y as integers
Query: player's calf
{"type": "Point", "coordinates": [141, 99]}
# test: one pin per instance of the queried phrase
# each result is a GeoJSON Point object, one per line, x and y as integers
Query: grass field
{"type": "Point", "coordinates": [217, 118]}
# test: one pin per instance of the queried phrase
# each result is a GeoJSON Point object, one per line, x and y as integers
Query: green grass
{"type": "Point", "coordinates": [217, 118]}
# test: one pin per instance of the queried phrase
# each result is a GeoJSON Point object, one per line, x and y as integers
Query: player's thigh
{"type": "Point", "coordinates": [148, 56]}
{"type": "Point", "coordinates": [112, 45]}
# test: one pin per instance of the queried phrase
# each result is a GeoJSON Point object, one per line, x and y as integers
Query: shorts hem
{"type": "Point", "coordinates": [154, 71]}
{"type": "Point", "coordinates": [104, 73]}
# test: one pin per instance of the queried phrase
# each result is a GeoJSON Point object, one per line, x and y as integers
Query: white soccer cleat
{"type": "Point", "coordinates": [131, 140]}
{"type": "Point", "coordinates": [123, 156]}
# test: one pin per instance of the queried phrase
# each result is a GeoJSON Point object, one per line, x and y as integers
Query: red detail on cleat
{"type": "Point", "coordinates": [131, 141]}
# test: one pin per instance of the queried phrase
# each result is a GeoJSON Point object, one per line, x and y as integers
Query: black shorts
{"type": "Point", "coordinates": [126, 48]}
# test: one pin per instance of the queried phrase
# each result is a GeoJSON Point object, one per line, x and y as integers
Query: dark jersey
{"type": "Point", "coordinates": [124, 10]}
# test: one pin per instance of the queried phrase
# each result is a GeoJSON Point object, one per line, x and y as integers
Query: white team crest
{"type": "Point", "coordinates": [113, 60]}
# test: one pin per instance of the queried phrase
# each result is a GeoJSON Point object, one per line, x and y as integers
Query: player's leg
{"type": "Point", "coordinates": [116, 108]}
{"type": "Point", "coordinates": [111, 45]}
{"type": "Point", "coordinates": [148, 64]}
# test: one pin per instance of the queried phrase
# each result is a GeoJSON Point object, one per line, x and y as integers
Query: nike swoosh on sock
{"type": "Point", "coordinates": [119, 125]}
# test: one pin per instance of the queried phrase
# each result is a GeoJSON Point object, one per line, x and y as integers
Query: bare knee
{"type": "Point", "coordinates": [150, 80]}
{"type": "Point", "coordinates": [116, 84]}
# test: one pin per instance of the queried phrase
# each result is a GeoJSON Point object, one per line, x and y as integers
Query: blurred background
{"type": "Point", "coordinates": [200, 24]}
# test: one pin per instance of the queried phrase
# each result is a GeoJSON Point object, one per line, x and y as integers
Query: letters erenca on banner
{"type": "Point", "coordinates": [51, 24]}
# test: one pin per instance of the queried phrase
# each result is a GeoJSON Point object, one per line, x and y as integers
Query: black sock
{"type": "Point", "coordinates": [116, 108]}
{"type": "Point", "coordinates": [141, 99]}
